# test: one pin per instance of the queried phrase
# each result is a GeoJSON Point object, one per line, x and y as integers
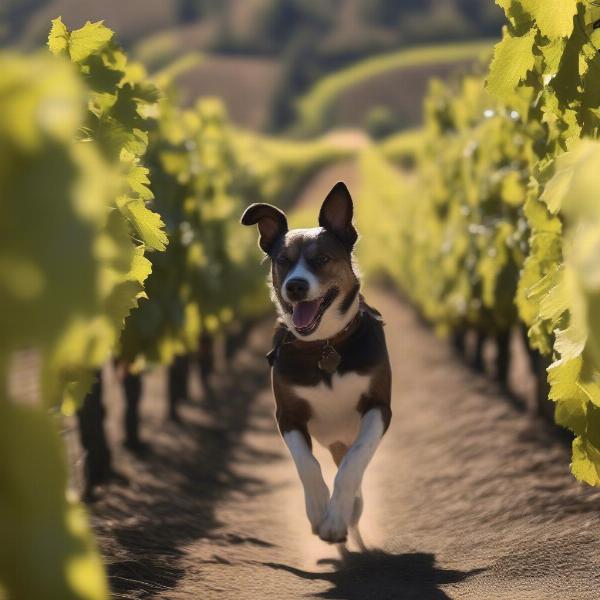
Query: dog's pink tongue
{"type": "Point", "coordinates": [305, 313]}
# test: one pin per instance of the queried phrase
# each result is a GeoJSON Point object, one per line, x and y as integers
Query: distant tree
{"type": "Point", "coordinates": [381, 122]}
{"type": "Point", "coordinates": [189, 10]}
{"type": "Point", "coordinates": [283, 20]}
{"type": "Point", "coordinates": [297, 74]}
{"type": "Point", "coordinates": [14, 15]}
{"type": "Point", "coordinates": [388, 12]}
{"type": "Point", "coordinates": [194, 10]}
{"type": "Point", "coordinates": [487, 17]}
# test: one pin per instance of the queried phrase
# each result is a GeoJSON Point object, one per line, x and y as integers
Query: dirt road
{"type": "Point", "coordinates": [465, 498]}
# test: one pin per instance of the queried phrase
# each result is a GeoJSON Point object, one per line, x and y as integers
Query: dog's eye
{"type": "Point", "coordinates": [283, 260]}
{"type": "Point", "coordinates": [321, 259]}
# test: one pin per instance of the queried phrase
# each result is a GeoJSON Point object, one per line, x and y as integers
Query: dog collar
{"type": "Point", "coordinates": [329, 358]}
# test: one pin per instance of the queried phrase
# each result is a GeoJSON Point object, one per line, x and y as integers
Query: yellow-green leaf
{"type": "Point", "coordinates": [513, 58]}
{"type": "Point", "coordinates": [553, 17]}
{"type": "Point", "coordinates": [58, 39]}
{"type": "Point", "coordinates": [88, 40]}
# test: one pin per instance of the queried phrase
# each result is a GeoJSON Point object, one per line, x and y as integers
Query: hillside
{"type": "Point", "coordinates": [397, 80]}
{"type": "Point", "coordinates": [245, 85]}
{"type": "Point", "coordinates": [307, 39]}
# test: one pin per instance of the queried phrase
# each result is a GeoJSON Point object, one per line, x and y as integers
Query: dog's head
{"type": "Point", "coordinates": [313, 277]}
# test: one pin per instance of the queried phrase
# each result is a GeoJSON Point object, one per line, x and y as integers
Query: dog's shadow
{"type": "Point", "coordinates": [378, 575]}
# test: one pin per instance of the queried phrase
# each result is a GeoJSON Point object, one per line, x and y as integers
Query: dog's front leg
{"type": "Point", "coordinates": [334, 527]}
{"type": "Point", "coordinates": [316, 492]}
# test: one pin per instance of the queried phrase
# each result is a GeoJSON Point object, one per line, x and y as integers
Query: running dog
{"type": "Point", "coordinates": [330, 367]}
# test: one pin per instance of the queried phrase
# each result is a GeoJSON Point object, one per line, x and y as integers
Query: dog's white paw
{"type": "Point", "coordinates": [317, 500]}
{"type": "Point", "coordinates": [334, 527]}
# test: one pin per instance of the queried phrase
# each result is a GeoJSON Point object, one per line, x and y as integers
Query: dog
{"type": "Point", "coordinates": [330, 369]}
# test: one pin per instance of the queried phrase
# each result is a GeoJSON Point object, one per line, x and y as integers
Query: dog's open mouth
{"type": "Point", "coordinates": [307, 315]}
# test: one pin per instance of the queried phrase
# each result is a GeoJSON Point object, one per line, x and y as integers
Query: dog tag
{"type": "Point", "coordinates": [330, 360]}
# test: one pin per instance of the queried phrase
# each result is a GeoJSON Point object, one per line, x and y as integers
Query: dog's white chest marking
{"type": "Point", "coordinates": [335, 417]}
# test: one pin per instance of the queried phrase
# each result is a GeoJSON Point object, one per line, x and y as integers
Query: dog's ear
{"type": "Point", "coordinates": [272, 224]}
{"type": "Point", "coordinates": [336, 215]}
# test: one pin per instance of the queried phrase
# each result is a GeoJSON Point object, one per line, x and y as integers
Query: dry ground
{"type": "Point", "coordinates": [465, 499]}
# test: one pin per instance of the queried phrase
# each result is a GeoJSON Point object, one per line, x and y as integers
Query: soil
{"type": "Point", "coordinates": [467, 497]}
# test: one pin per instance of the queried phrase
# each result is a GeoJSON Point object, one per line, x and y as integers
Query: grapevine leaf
{"type": "Point", "coordinates": [592, 390]}
{"type": "Point", "coordinates": [148, 224]}
{"type": "Point", "coordinates": [585, 464]}
{"type": "Point", "coordinates": [552, 51]}
{"type": "Point", "coordinates": [512, 189]}
{"type": "Point", "coordinates": [571, 413]}
{"type": "Point", "coordinates": [567, 81]}
{"type": "Point", "coordinates": [563, 376]}
{"type": "Point", "coordinates": [58, 39]}
{"type": "Point", "coordinates": [557, 301]}
{"type": "Point", "coordinates": [53, 531]}
{"type": "Point", "coordinates": [556, 189]}
{"type": "Point", "coordinates": [515, 13]}
{"type": "Point", "coordinates": [553, 17]}
{"type": "Point", "coordinates": [570, 342]}
{"type": "Point", "coordinates": [88, 40]}
{"type": "Point", "coordinates": [513, 59]}
{"type": "Point", "coordinates": [138, 180]}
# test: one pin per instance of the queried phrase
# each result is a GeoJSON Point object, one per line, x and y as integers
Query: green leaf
{"type": "Point", "coordinates": [513, 192]}
{"type": "Point", "coordinates": [138, 180]}
{"type": "Point", "coordinates": [556, 189]}
{"type": "Point", "coordinates": [88, 40]}
{"type": "Point", "coordinates": [513, 59]}
{"type": "Point", "coordinates": [148, 224]}
{"type": "Point", "coordinates": [552, 51]}
{"type": "Point", "coordinates": [570, 342]}
{"type": "Point", "coordinates": [51, 552]}
{"type": "Point", "coordinates": [571, 413]}
{"type": "Point", "coordinates": [557, 301]}
{"type": "Point", "coordinates": [585, 465]}
{"type": "Point", "coordinates": [58, 39]}
{"type": "Point", "coordinates": [591, 389]}
{"type": "Point", "coordinates": [563, 376]}
{"type": "Point", "coordinates": [553, 17]}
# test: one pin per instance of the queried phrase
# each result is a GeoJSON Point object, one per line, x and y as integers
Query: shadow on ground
{"type": "Point", "coordinates": [145, 525]}
{"type": "Point", "coordinates": [382, 575]}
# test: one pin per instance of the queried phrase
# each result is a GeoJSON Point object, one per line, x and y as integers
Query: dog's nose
{"type": "Point", "coordinates": [296, 289]}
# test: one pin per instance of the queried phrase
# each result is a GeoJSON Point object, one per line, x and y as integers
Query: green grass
{"type": "Point", "coordinates": [315, 109]}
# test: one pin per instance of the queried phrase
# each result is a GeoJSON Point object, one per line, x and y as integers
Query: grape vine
{"type": "Point", "coordinates": [120, 237]}
{"type": "Point", "coordinates": [501, 228]}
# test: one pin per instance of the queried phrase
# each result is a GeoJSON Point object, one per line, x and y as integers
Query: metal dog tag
{"type": "Point", "coordinates": [330, 360]}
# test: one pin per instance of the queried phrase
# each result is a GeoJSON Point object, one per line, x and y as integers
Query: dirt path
{"type": "Point", "coordinates": [464, 499]}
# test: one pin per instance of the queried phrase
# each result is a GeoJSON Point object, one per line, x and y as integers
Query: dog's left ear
{"type": "Point", "coordinates": [272, 224]}
{"type": "Point", "coordinates": [336, 215]}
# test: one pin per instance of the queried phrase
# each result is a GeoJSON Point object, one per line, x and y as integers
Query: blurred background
{"type": "Point", "coordinates": [263, 56]}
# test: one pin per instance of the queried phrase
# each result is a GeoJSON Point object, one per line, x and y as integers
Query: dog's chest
{"type": "Point", "coordinates": [334, 414]}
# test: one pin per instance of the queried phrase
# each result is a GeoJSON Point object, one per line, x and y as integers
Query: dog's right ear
{"type": "Point", "coordinates": [272, 224]}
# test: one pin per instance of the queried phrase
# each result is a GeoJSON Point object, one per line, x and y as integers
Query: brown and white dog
{"type": "Point", "coordinates": [330, 368]}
